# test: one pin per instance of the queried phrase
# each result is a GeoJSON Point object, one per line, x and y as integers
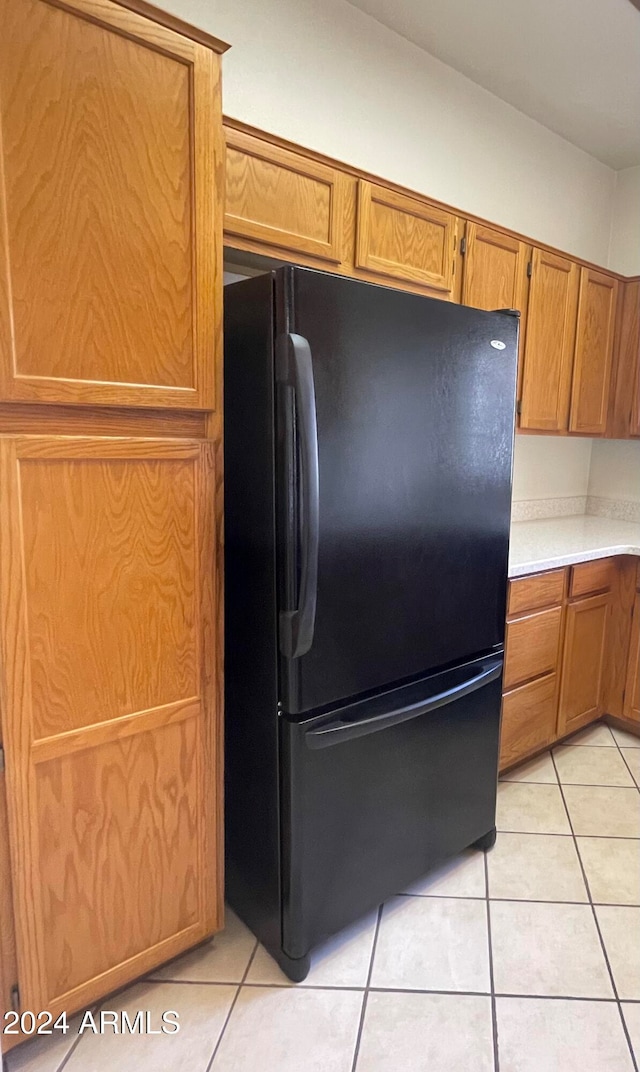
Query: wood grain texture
{"type": "Point", "coordinates": [20, 418]}
{"type": "Point", "coordinates": [593, 352]}
{"type": "Point", "coordinates": [404, 238]}
{"type": "Point", "coordinates": [619, 634]}
{"type": "Point", "coordinates": [529, 716]}
{"type": "Point", "coordinates": [8, 959]}
{"type": "Point", "coordinates": [583, 662]}
{"type": "Point", "coordinates": [281, 199]}
{"type": "Point", "coordinates": [631, 708]}
{"type": "Point", "coordinates": [549, 342]}
{"type": "Point", "coordinates": [114, 837]}
{"type": "Point", "coordinates": [532, 646]}
{"type": "Point", "coordinates": [110, 208]}
{"type": "Point", "coordinates": [495, 270]}
{"type": "Point", "coordinates": [624, 398]}
{"type": "Point", "coordinates": [536, 592]}
{"type": "Point", "coordinates": [587, 578]}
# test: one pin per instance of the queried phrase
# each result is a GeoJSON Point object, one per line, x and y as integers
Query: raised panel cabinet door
{"type": "Point", "coordinates": [549, 342]}
{"type": "Point", "coordinates": [593, 352]}
{"type": "Point", "coordinates": [404, 238]}
{"type": "Point", "coordinates": [282, 199]}
{"type": "Point", "coordinates": [632, 687]}
{"type": "Point", "coordinates": [624, 401]}
{"type": "Point", "coordinates": [583, 662]}
{"type": "Point", "coordinates": [111, 235]}
{"type": "Point", "coordinates": [110, 654]}
{"type": "Point", "coordinates": [495, 270]}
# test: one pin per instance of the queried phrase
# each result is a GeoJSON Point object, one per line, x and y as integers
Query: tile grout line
{"type": "Point", "coordinates": [581, 785]}
{"type": "Point", "coordinates": [595, 919]}
{"type": "Point", "coordinates": [624, 760]}
{"type": "Point", "coordinates": [494, 1011]}
{"type": "Point", "coordinates": [231, 1008]}
{"type": "Point", "coordinates": [74, 1045]}
{"type": "Point", "coordinates": [365, 998]}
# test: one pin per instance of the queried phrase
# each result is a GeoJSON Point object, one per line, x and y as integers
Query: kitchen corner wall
{"type": "Point", "coordinates": [550, 476]}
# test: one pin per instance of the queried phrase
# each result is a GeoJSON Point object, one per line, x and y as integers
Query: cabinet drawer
{"type": "Point", "coordinates": [282, 199]}
{"type": "Point", "coordinates": [532, 646]}
{"type": "Point", "coordinates": [528, 718]}
{"type": "Point", "coordinates": [535, 592]}
{"type": "Point", "coordinates": [590, 577]}
{"type": "Point", "coordinates": [405, 238]}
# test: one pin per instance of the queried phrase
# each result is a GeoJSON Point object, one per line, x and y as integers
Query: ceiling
{"type": "Point", "coordinates": [574, 65]}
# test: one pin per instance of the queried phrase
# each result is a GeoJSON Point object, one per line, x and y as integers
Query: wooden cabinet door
{"type": "Point", "coordinates": [405, 238]}
{"type": "Point", "coordinates": [529, 715]}
{"type": "Point", "coordinates": [624, 401]}
{"type": "Point", "coordinates": [549, 342]}
{"type": "Point", "coordinates": [281, 199]}
{"type": "Point", "coordinates": [583, 663]}
{"type": "Point", "coordinates": [495, 270]}
{"type": "Point", "coordinates": [108, 622]}
{"type": "Point", "coordinates": [593, 352]}
{"type": "Point", "coordinates": [8, 962]}
{"type": "Point", "coordinates": [111, 234]}
{"type": "Point", "coordinates": [632, 688]}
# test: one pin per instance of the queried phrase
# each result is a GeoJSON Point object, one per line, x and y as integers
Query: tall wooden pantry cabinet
{"type": "Point", "coordinates": [110, 496]}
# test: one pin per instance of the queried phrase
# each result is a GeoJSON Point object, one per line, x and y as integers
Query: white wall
{"type": "Point", "coordinates": [615, 470]}
{"type": "Point", "coordinates": [550, 467]}
{"type": "Point", "coordinates": [624, 250]}
{"type": "Point", "coordinates": [325, 75]}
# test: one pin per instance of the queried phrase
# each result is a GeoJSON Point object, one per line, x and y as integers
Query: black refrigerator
{"type": "Point", "coordinates": [368, 453]}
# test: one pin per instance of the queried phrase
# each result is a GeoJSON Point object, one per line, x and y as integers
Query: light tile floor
{"type": "Point", "coordinates": [527, 960]}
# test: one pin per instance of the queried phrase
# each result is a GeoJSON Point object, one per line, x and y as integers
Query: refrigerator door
{"type": "Point", "coordinates": [395, 418]}
{"type": "Point", "coordinates": [377, 793]}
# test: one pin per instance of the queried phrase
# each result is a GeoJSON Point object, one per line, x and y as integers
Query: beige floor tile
{"type": "Point", "coordinates": [632, 758]}
{"type": "Point", "coordinates": [561, 1036]}
{"type": "Point", "coordinates": [632, 1020]}
{"type": "Point", "coordinates": [44, 1053]}
{"type": "Point", "coordinates": [202, 1013]}
{"type": "Point", "coordinates": [342, 961]}
{"type": "Point", "coordinates": [432, 943]}
{"type": "Point", "coordinates": [612, 866]}
{"type": "Point", "coordinates": [578, 765]}
{"type": "Point", "coordinates": [625, 739]}
{"type": "Point", "coordinates": [598, 735]}
{"type": "Point", "coordinates": [531, 809]}
{"type": "Point", "coordinates": [535, 867]}
{"type": "Point", "coordinates": [461, 877]}
{"type": "Point", "coordinates": [547, 949]}
{"type": "Point", "coordinates": [601, 811]}
{"type": "Point", "coordinates": [288, 1030]}
{"type": "Point", "coordinates": [222, 960]}
{"type": "Point", "coordinates": [426, 1033]}
{"type": "Point", "coordinates": [540, 769]}
{"type": "Point", "coordinates": [620, 929]}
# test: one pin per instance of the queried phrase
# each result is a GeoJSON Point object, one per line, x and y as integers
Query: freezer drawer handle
{"type": "Point", "coordinates": [295, 368]}
{"type": "Point", "coordinates": [338, 731]}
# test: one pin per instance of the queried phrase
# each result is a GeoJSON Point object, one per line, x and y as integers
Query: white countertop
{"type": "Point", "coordinates": [561, 541]}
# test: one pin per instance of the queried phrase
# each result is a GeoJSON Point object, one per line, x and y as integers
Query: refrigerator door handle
{"type": "Point", "coordinates": [295, 368]}
{"type": "Point", "coordinates": [338, 731]}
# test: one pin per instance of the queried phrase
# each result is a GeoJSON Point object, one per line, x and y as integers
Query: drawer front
{"type": "Point", "coordinates": [528, 719]}
{"type": "Point", "coordinates": [590, 577]}
{"type": "Point", "coordinates": [535, 592]}
{"type": "Point", "coordinates": [404, 238]}
{"type": "Point", "coordinates": [532, 647]}
{"type": "Point", "coordinates": [282, 199]}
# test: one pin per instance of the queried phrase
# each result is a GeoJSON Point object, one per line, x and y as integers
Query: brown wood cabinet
{"type": "Point", "coordinates": [109, 144]}
{"type": "Point", "coordinates": [632, 687]}
{"type": "Point", "coordinates": [549, 343]}
{"type": "Point", "coordinates": [624, 402]}
{"type": "Point", "coordinates": [495, 269]}
{"type": "Point", "coordinates": [593, 352]}
{"type": "Point", "coordinates": [283, 200]}
{"type": "Point", "coordinates": [110, 518]}
{"type": "Point", "coordinates": [583, 664]}
{"type": "Point", "coordinates": [405, 238]}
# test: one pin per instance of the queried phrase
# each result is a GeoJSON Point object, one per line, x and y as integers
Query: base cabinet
{"type": "Point", "coordinates": [583, 663]}
{"type": "Point", "coordinates": [632, 687]}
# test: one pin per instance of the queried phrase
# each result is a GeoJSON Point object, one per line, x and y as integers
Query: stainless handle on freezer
{"type": "Point", "coordinates": [337, 731]}
{"type": "Point", "coordinates": [295, 368]}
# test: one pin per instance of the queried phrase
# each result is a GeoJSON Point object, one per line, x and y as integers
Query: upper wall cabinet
{"type": "Point", "coordinates": [624, 400]}
{"type": "Point", "coordinates": [549, 343]}
{"type": "Point", "coordinates": [281, 199]}
{"type": "Point", "coordinates": [404, 238]}
{"type": "Point", "coordinates": [593, 352]}
{"type": "Point", "coordinates": [495, 269]}
{"type": "Point", "coordinates": [110, 280]}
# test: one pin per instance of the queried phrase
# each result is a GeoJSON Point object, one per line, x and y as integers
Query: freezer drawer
{"type": "Point", "coordinates": [377, 793]}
